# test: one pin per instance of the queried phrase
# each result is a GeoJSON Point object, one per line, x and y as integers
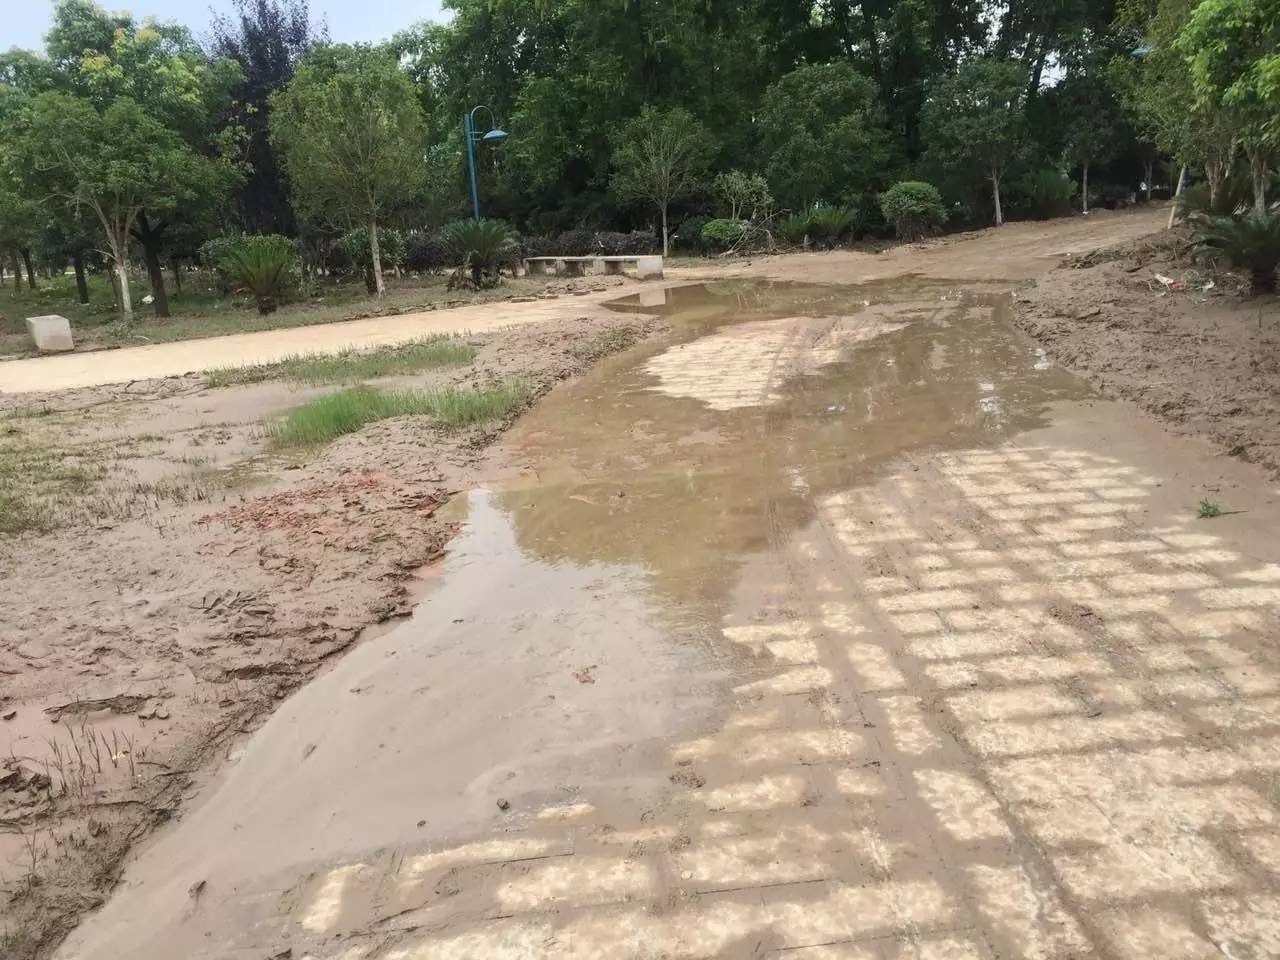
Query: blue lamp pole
{"type": "Point", "coordinates": [473, 137]}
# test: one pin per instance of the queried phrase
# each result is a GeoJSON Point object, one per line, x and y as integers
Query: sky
{"type": "Point", "coordinates": [24, 22]}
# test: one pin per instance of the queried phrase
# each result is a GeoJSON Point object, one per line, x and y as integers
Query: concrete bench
{"type": "Point", "coordinates": [646, 266]}
{"type": "Point", "coordinates": [51, 334]}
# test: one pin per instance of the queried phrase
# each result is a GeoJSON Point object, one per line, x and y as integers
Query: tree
{"type": "Point", "coordinates": [350, 130]}
{"type": "Point", "coordinates": [1233, 50]}
{"type": "Point", "coordinates": [1091, 121]}
{"type": "Point", "coordinates": [267, 38]}
{"type": "Point", "coordinates": [114, 163]}
{"type": "Point", "coordinates": [743, 194]}
{"type": "Point", "coordinates": [823, 135]}
{"type": "Point", "coordinates": [658, 157]}
{"type": "Point", "coordinates": [976, 117]}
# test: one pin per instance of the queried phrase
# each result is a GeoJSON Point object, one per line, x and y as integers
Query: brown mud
{"type": "Point", "coordinates": [194, 577]}
{"type": "Point", "coordinates": [837, 622]}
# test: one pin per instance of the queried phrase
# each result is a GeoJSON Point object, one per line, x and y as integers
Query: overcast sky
{"type": "Point", "coordinates": [24, 22]}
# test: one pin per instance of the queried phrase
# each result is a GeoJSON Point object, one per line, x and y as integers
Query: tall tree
{"type": "Point", "coordinates": [659, 157]}
{"type": "Point", "coordinates": [1233, 50]}
{"type": "Point", "coordinates": [350, 130]}
{"type": "Point", "coordinates": [267, 38]}
{"type": "Point", "coordinates": [1092, 123]}
{"type": "Point", "coordinates": [114, 163]}
{"type": "Point", "coordinates": [976, 117]}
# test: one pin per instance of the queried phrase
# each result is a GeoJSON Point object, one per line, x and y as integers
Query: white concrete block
{"type": "Point", "coordinates": [649, 267]}
{"type": "Point", "coordinates": [51, 334]}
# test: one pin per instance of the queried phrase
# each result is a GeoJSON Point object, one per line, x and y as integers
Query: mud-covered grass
{"type": "Point", "coordinates": [332, 416]}
{"type": "Point", "coordinates": [352, 366]}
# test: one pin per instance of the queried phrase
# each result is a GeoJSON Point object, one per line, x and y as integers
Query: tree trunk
{"type": "Point", "coordinates": [1149, 170]}
{"type": "Point", "coordinates": [665, 245]}
{"type": "Point", "coordinates": [1177, 192]}
{"type": "Point", "coordinates": [82, 285]}
{"type": "Point", "coordinates": [17, 273]}
{"type": "Point", "coordinates": [119, 243]}
{"type": "Point", "coordinates": [31, 274]}
{"type": "Point", "coordinates": [995, 192]}
{"type": "Point", "coordinates": [151, 238]}
{"type": "Point", "coordinates": [177, 274]}
{"type": "Point", "coordinates": [1258, 169]}
{"type": "Point", "coordinates": [1084, 187]}
{"type": "Point", "coordinates": [375, 254]}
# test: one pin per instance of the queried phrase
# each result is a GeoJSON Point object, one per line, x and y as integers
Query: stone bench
{"type": "Point", "coordinates": [647, 266]}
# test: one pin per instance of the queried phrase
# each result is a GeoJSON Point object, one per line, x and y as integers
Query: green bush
{"type": "Point", "coordinates": [723, 235]}
{"type": "Point", "coordinates": [1041, 194]}
{"type": "Point", "coordinates": [689, 235]}
{"type": "Point", "coordinates": [914, 208]}
{"type": "Point", "coordinates": [793, 228]}
{"type": "Point", "coordinates": [1251, 241]}
{"type": "Point", "coordinates": [263, 265]}
{"type": "Point", "coordinates": [828, 225]}
{"type": "Point", "coordinates": [355, 244]}
{"type": "Point", "coordinates": [214, 251]}
{"type": "Point", "coordinates": [424, 252]}
{"type": "Point", "coordinates": [480, 248]}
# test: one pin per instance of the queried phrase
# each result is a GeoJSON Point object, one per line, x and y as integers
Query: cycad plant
{"type": "Point", "coordinates": [263, 265]}
{"type": "Point", "coordinates": [480, 248]}
{"type": "Point", "coordinates": [1250, 240]}
{"type": "Point", "coordinates": [828, 224]}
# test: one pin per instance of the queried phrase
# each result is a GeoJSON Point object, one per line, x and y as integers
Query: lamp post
{"type": "Point", "coordinates": [473, 137]}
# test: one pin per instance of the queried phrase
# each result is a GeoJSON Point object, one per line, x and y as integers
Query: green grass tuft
{"type": "Point", "coordinates": [345, 412]}
{"type": "Point", "coordinates": [1209, 509]}
{"type": "Point", "coordinates": [352, 366]}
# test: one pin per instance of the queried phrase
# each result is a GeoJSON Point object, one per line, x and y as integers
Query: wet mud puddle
{"type": "Point", "coordinates": [738, 655]}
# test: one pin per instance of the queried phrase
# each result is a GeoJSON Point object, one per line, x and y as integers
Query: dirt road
{"type": "Point", "coordinates": [837, 623]}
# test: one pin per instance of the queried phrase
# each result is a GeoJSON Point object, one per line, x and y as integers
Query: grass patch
{"type": "Point", "coordinates": [328, 418]}
{"type": "Point", "coordinates": [1209, 509]}
{"type": "Point", "coordinates": [352, 366]}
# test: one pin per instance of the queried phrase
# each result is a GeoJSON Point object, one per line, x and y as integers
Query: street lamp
{"type": "Point", "coordinates": [473, 137]}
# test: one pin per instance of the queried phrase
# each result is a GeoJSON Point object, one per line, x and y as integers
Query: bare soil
{"type": "Point", "coordinates": [1206, 362]}
{"type": "Point", "coordinates": [193, 576]}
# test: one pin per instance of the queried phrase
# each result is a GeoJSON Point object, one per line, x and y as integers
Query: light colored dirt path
{"type": "Point", "coordinates": [838, 626]}
{"type": "Point", "coordinates": [95, 368]}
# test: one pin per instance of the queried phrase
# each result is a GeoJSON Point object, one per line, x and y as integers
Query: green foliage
{"type": "Point", "coordinates": [352, 366]}
{"type": "Point", "coordinates": [823, 134]}
{"type": "Point", "coordinates": [1209, 509]}
{"type": "Point", "coordinates": [350, 130]}
{"type": "Point", "coordinates": [424, 252]}
{"type": "Point", "coordinates": [914, 208]}
{"type": "Point", "coordinates": [481, 248]}
{"type": "Point", "coordinates": [358, 246]}
{"type": "Point", "coordinates": [689, 234]}
{"type": "Point", "coordinates": [975, 118]}
{"type": "Point", "coordinates": [336, 414]}
{"type": "Point", "coordinates": [1250, 241]}
{"type": "Point", "coordinates": [721, 235]}
{"type": "Point", "coordinates": [1041, 194]}
{"type": "Point", "coordinates": [659, 157]}
{"type": "Point", "coordinates": [265, 266]}
{"type": "Point", "coordinates": [793, 228]}
{"type": "Point", "coordinates": [745, 194]}
{"type": "Point", "coordinates": [828, 225]}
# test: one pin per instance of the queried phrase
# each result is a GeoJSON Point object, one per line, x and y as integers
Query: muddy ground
{"type": "Point", "coordinates": [194, 576]}
{"type": "Point", "coordinates": [1199, 353]}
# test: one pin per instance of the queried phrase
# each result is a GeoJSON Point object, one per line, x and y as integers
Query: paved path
{"type": "Point", "coordinates": [836, 625]}
{"type": "Point", "coordinates": [98, 367]}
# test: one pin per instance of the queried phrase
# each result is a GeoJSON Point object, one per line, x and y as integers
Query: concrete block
{"type": "Point", "coordinates": [50, 334]}
{"type": "Point", "coordinates": [649, 268]}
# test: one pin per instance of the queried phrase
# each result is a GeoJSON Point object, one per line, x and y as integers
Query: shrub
{"type": "Point", "coordinates": [263, 265]}
{"type": "Point", "coordinates": [1251, 241]}
{"type": "Point", "coordinates": [641, 241]}
{"type": "Point", "coordinates": [1042, 194]}
{"type": "Point", "coordinates": [355, 244]}
{"type": "Point", "coordinates": [794, 229]}
{"type": "Point", "coordinates": [480, 248]}
{"type": "Point", "coordinates": [914, 208]}
{"type": "Point", "coordinates": [689, 236]}
{"type": "Point", "coordinates": [746, 195]}
{"type": "Point", "coordinates": [424, 252]}
{"type": "Point", "coordinates": [828, 225]}
{"type": "Point", "coordinates": [730, 234]}
{"type": "Point", "coordinates": [610, 244]}
{"type": "Point", "coordinates": [537, 247]}
{"type": "Point", "coordinates": [575, 243]}
{"type": "Point", "coordinates": [214, 251]}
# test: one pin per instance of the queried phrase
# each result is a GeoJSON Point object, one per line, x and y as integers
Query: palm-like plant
{"type": "Point", "coordinates": [827, 224]}
{"type": "Point", "coordinates": [481, 248]}
{"type": "Point", "coordinates": [263, 265]}
{"type": "Point", "coordinates": [1251, 241]}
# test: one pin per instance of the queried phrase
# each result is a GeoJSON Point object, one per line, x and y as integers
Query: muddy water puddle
{"type": "Point", "coordinates": [575, 630]}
